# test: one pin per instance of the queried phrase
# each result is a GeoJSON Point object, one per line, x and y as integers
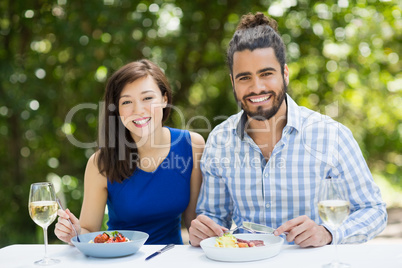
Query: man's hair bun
{"type": "Point", "coordinates": [250, 21]}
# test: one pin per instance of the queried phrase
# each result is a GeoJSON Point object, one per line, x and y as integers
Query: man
{"type": "Point", "coordinates": [265, 163]}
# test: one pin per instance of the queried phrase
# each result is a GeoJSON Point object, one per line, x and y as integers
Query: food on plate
{"type": "Point", "coordinates": [101, 238]}
{"type": "Point", "coordinates": [230, 241]}
{"type": "Point", "coordinates": [110, 237]}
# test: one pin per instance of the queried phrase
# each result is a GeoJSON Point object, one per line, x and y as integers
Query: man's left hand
{"type": "Point", "coordinates": [305, 232]}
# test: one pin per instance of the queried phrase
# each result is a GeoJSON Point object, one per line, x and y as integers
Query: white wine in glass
{"type": "Point", "coordinates": [334, 208]}
{"type": "Point", "coordinates": [43, 211]}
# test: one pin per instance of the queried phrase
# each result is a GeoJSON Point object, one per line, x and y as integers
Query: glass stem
{"type": "Point", "coordinates": [45, 239]}
{"type": "Point", "coordinates": [336, 248]}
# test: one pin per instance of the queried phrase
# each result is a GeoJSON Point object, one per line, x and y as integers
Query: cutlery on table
{"type": "Point", "coordinates": [72, 225]}
{"type": "Point", "coordinates": [258, 228]}
{"type": "Point", "coordinates": [170, 246]}
{"type": "Point", "coordinates": [231, 231]}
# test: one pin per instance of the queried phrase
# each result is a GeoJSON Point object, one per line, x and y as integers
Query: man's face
{"type": "Point", "coordinates": [258, 82]}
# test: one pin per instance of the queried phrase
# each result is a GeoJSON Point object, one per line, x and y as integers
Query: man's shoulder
{"type": "Point", "coordinates": [228, 125]}
{"type": "Point", "coordinates": [308, 116]}
{"type": "Point", "coordinates": [313, 121]}
{"type": "Point", "coordinates": [224, 132]}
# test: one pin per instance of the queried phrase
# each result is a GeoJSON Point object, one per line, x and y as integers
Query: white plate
{"type": "Point", "coordinates": [272, 248]}
{"type": "Point", "coordinates": [108, 250]}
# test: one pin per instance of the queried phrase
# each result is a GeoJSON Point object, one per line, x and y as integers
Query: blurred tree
{"type": "Point", "coordinates": [57, 55]}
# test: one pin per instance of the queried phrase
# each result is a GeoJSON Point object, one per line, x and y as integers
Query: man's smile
{"type": "Point", "coordinates": [259, 99]}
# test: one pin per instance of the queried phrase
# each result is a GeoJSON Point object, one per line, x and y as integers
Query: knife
{"type": "Point", "coordinates": [170, 246]}
{"type": "Point", "coordinates": [258, 228]}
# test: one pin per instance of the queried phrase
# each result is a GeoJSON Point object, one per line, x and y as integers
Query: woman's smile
{"type": "Point", "coordinates": [142, 122]}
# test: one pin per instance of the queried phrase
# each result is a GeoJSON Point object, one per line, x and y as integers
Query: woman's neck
{"type": "Point", "coordinates": [155, 141]}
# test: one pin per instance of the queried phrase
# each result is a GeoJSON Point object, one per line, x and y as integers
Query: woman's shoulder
{"type": "Point", "coordinates": [93, 159]}
{"type": "Point", "coordinates": [197, 146]}
{"type": "Point", "coordinates": [92, 172]}
{"type": "Point", "coordinates": [195, 138]}
{"type": "Point", "coordinates": [93, 164]}
{"type": "Point", "coordinates": [177, 131]}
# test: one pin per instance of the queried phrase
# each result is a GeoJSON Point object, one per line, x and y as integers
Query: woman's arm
{"type": "Point", "coordinates": [197, 144]}
{"type": "Point", "coordinates": [93, 207]}
{"type": "Point", "coordinates": [95, 196]}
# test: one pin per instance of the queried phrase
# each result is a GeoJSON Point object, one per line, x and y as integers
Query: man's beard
{"type": "Point", "coordinates": [261, 114]}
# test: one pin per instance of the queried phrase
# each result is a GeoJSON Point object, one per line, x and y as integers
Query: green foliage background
{"type": "Point", "coordinates": [344, 60]}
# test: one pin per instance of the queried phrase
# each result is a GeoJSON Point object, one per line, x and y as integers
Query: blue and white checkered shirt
{"type": "Point", "coordinates": [240, 185]}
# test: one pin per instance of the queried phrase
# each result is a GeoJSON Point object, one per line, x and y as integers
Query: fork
{"type": "Point", "coordinates": [72, 225]}
{"type": "Point", "coordinates": [231, 231]}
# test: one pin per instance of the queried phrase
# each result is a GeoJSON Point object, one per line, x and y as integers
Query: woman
{"type": "Point", "coordinates": [147, 174]}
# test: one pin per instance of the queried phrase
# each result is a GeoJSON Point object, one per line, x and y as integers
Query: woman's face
{"type": "Point", "coordinates": [141, 108]}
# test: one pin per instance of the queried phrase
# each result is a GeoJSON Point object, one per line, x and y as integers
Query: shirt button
{"type": "Point", "coordinates": [266, 175]}
{"type": "Point", "coordinates": [267, 205]}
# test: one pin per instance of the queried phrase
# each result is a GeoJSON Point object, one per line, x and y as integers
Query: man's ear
{"type": "Point", "coordinates": [231, 81]}
{"type": "Point", "coordinates": [286, 74]}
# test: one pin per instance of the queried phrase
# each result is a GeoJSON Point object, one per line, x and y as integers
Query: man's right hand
{"type": "Point", "coordinates": [203, 227]}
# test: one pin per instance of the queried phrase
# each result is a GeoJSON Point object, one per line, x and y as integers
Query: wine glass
{"type": "Point", "coordinates": [334, 208]}
{"type": "Point", "coordinates": [43, 211]}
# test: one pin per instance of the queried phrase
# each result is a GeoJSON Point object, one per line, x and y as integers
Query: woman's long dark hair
{"type": "Point", "coordinates": [118, 154]}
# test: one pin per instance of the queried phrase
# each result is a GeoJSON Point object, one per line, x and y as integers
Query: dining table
{"type": "Point", "coordinates": [357, 255]}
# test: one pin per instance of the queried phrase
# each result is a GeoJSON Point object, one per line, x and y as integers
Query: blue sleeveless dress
{"type": "Point", "coordinates": [152, 202]}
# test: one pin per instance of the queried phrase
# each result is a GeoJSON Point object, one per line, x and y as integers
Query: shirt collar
{"type": "Point", "coordinates": [241, 125]}
{"type": "Point", "coordinates": [293, 114]}
{"type": "Point", "coordinates": [293, 118]}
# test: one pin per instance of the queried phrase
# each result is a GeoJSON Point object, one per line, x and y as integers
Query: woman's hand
{"type": "Point", "coordinates": [63, 229]}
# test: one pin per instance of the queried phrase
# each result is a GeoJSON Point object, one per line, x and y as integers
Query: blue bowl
{"type": "Point", "coordinates": [110, 250]}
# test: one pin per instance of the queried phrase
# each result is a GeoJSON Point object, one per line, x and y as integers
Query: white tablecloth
{"type": "Point", "coordinates": [359, 256]}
